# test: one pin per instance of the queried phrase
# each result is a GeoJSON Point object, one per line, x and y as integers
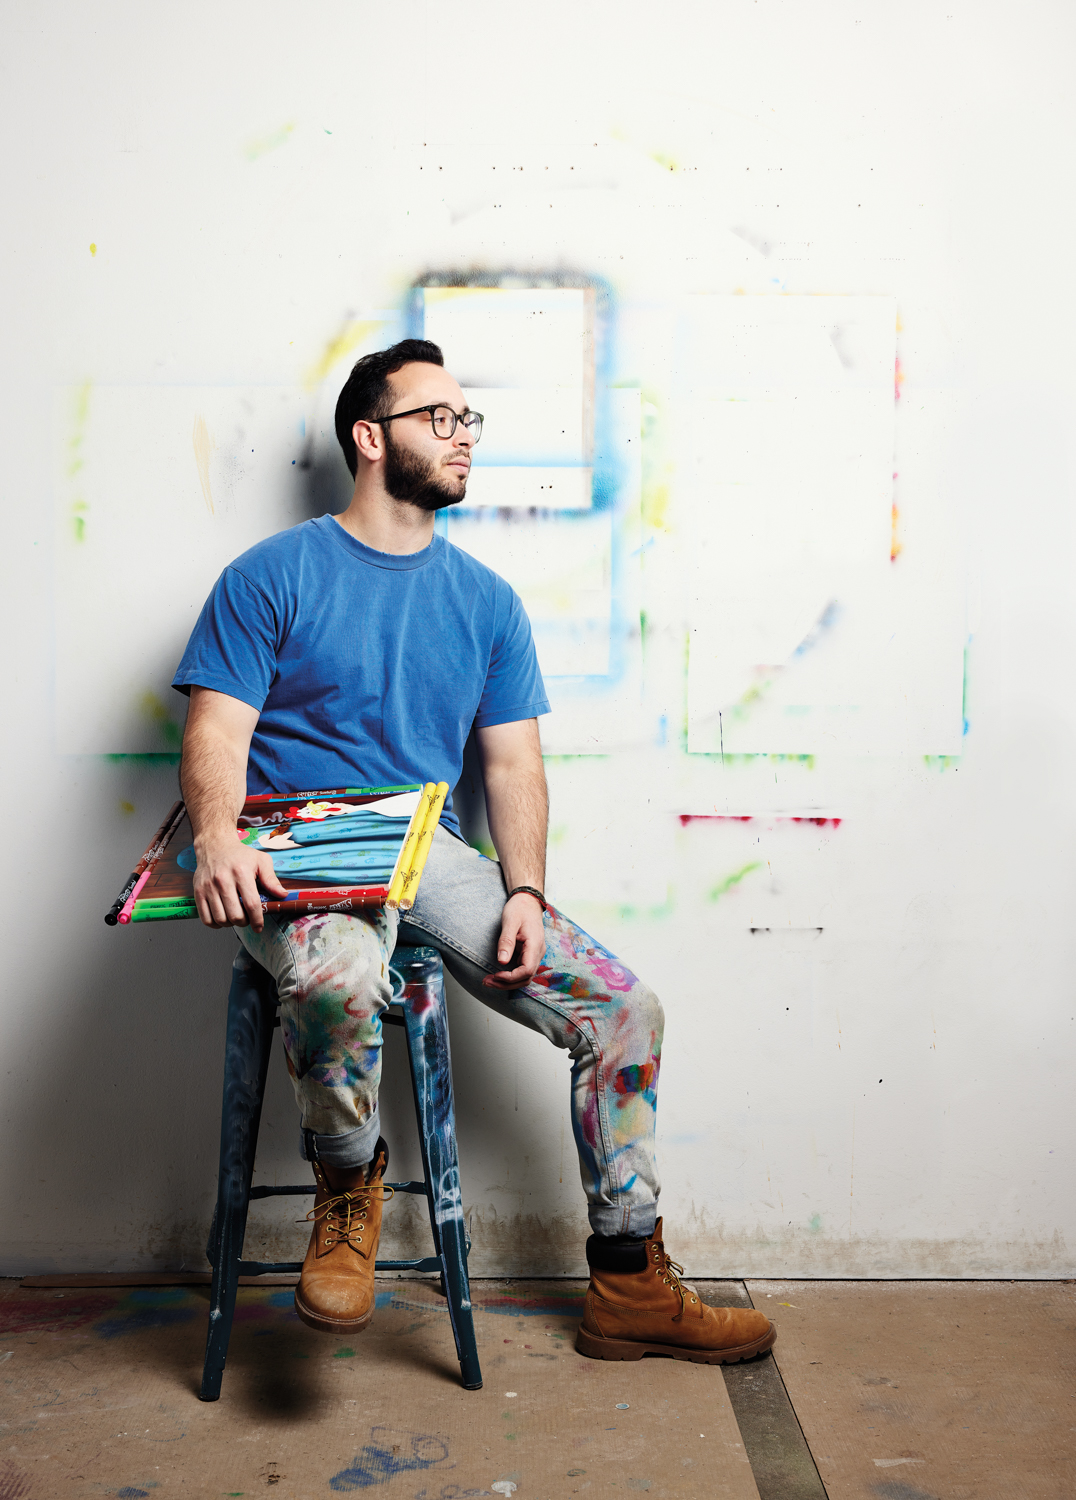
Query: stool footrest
{"type": "Point", "coordinates": [289, 1267]}
{"type": "Point", "coordinates": [427, 1263]}
{"type": "Point", "coordinates": [276, 1192]}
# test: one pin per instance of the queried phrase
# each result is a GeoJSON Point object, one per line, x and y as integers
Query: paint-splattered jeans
{"type": "Point", "coordinates": [332, 975]}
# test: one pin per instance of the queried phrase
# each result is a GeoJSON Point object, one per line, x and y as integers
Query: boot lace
{"type": "Point", "coordinates": [344, 1214]}
{"type": "Point", "coordinates": [670, 1273]}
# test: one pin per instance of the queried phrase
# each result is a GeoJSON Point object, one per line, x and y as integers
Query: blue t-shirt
{"type": "Point", "coordinates": [368, 669]}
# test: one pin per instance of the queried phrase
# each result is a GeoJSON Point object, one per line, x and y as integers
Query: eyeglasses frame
{"type": "Point", "coordinates": [434, 406]}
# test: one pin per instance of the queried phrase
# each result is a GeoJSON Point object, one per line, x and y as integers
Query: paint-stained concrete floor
{"type": "Point", "coordinates": [99, 1398]}
{"type": "Point", "coordinates": [932, 1390]}
{"type": "Point", "coordinates": [904, 1391]}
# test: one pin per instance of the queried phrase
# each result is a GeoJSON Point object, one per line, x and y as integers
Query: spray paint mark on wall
{"type": "Point", "coordinates": [809, 818]}
{"type": "Point", "coordinates": [155, 710]}
{"type": "Point", "coordinates": [896, 546]}
{"type": "Point", "coordinates": [203, 446]}
{"type": "Point", "coordinates": [271, 142]}
{"type": "Point", "coordinates": [353, 333]}
{"type": "Point", "coordinates": [768, 674]}
{"type": "Point", "coordinates": [75, 459]}
{"type": "Point", "coordinates": [730, 882]}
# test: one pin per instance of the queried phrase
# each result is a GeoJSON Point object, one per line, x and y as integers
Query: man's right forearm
{"type": "Point", "coordinates": [212, 777]}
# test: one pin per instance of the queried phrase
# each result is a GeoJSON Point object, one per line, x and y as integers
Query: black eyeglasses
{"type": "Point", "coordinates": [443, 420]}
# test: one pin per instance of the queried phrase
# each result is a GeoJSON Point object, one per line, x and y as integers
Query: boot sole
{"type": "Point", "coordinates": [330, 1325]}
{"type": "Point", "coordinates": [594, 1346]}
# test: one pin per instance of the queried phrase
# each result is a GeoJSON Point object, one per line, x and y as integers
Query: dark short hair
{"type": "Point", "coordinates": [367, 394]}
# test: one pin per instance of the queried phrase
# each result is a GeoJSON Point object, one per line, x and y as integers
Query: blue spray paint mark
{"type": "Point", "coordinates": [149, 1317]}
{"type": "Point", "coordinates": [148, 1308]}
{"type": "Point", "coordinates": [391, 1451]}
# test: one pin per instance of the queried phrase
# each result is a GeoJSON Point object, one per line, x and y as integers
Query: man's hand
{"type": "Point", "coordinates": [226, 882]}
{"type": "Point", "coordinates": [522, 940]}
{"type": "Point", "coordinates": [213, 776]}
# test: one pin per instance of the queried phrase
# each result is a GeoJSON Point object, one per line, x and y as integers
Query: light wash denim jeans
{"type": "Point", "coordinates": [332, 975]}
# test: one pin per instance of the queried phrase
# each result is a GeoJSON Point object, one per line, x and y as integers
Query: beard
{"type": "Point", "coordinates": [417, 480]}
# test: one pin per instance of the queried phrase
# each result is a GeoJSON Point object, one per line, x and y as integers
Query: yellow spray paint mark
{"type": "Point", "coordinates": [254, 149]}
{"type": "Point", "coordinates": [896, 546]}
{"type": "Point", "coordinates": [81, 412]}
{"type": "Point", "coordinates": [126, 807]}
{"type": "Point", "coordinates": [346, 341]}
{"type": "Point", "coordinates": [154, 709]}
{"type": "Point", "coordinates": [655, 506]}
{"type": "Point", "coordinates": [75, 461]}
{"type": "Point", "coordinates": [203, 446]}
{"type": "Point", "coordinates": [93, 248]}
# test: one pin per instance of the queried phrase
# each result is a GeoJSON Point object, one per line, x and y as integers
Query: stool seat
{"type": "Point", "coordinates": [418, 1007]}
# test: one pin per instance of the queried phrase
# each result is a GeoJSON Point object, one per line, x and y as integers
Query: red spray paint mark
{"type": "Point", "coordinates": [686, 818]}
{"type": "Point", "coordinates": [54, 1312]}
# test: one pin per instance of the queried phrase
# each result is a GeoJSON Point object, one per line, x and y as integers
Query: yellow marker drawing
{"type": "Point", "coordinates": [422, 850]}
{"type": "Point", "coordinates": [407, 849]}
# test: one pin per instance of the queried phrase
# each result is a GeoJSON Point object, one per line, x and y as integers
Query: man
{"type": "Point", "coordinates": [359, 650]}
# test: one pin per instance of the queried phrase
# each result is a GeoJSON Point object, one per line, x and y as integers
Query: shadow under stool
{"type": "Point", "coordinates": [418, 1006]}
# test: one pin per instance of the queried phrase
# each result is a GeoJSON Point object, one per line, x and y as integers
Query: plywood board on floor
{"type": "Point", "coordinates": [100, 1399]}
{"type": "Point", "coordinates": [931, 1390]}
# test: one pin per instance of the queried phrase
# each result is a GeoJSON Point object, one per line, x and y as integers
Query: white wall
{"type": "Point", "coordinates": [870, 1022]}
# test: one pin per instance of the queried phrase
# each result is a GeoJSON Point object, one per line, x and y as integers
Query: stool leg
{"type": "Point", "coordinates": [251, 1002]}
{"type": "Point", "coordinates": [431, 1075]}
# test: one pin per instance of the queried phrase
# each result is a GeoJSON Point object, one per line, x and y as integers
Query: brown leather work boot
{"type": "Point", "coordinates": [651, 1311]}
{"type": "Point", "coordinates": [336, 1286]}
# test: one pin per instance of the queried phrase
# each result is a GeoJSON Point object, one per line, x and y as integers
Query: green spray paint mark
{"type": "Point", "coordinates": [78, 519]}
{"type": "Point", "coordinates": [650, 913]}
{"type": "Point", "coordinates": [552, 760]}
{"type": "Point", "coordinates": [723, 887]}
{"type": "Point", "coordinates": [942, 762]}
{"type": "Point", "coordinates": [146, 758]}
{"type": "Point", "coordinates": [747, 760]}
{"type": "Point", "coordinates": [344, 1354]}
{"type": "Point", "coordinates": [814, 1223]}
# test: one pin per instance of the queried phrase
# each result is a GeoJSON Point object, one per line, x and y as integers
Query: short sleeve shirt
{"type": "Point", "coordinates": [367, 668]}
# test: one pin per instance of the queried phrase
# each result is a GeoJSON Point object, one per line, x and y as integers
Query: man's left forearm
{"type": "Point", "coordinates": [517, 802]}
{"type": "Point", "coordinates": [517, 806]}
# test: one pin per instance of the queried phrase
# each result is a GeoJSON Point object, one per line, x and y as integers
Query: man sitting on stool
{"type": "Point", "coordinates": [359, 650]}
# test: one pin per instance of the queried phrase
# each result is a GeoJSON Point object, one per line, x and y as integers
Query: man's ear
{"type": "Point", "coordinates": [369, 440]}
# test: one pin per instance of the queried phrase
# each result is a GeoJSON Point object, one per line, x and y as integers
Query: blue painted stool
{"type": "Point", "coordinates": [418, 990]}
